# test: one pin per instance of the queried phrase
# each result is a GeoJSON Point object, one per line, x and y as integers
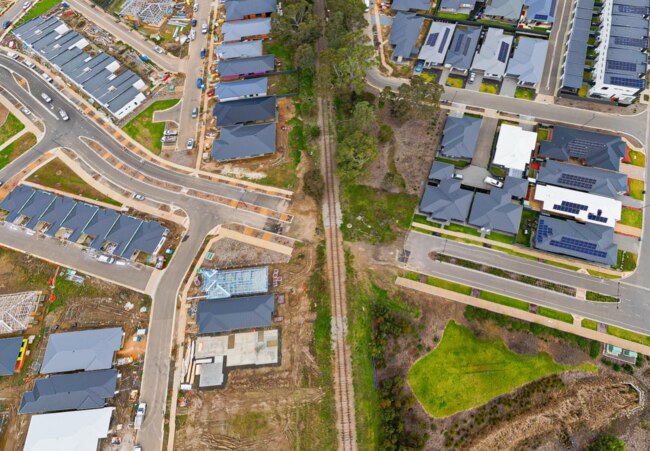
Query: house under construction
{"type": "Point", "coordinates": [16, 310]}
{"type": "Point", "coordinates": [146, 11]}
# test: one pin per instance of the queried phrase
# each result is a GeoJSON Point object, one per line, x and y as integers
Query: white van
{"type": "Point", "coordinates": [493, 182]}
{"type": "Point", "coordinates": [46, 98]}
{"type": "Point", "coordinates": [105, 259]}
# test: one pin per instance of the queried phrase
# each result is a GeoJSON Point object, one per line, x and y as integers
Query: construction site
{"type": "Point", "coordinates": [37, 300]}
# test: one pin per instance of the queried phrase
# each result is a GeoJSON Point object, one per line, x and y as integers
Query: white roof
{"type": "Point", "coordinates": [514, 147]}
{"type": "Point", "coordinates": [583, 206]}
{"type": "Point", "coordinates": [68, 431]}
{"type": "Point", "coordinates": [437, 42]}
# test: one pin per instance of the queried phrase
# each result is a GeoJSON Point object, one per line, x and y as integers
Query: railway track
{"type": "Point", "coordinates": [343, 387]}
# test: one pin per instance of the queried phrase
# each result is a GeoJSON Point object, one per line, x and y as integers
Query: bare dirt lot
{"type": "Point", "coordinates": [93, 304]}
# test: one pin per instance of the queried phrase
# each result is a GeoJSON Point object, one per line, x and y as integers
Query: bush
{"type": "Point", "coordinates": [312, 131]}
{"type": "Point", "coordinates": [385, 133]}
{"type": "Point", "coordinates": [313, 184]}
{"type": "Point", "coordinates": [594, 349]}
{"type": "Point", "coordinates": [607, 442]}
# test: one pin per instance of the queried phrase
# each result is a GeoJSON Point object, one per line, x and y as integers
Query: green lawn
{"type": "Point", "coordinates": [501, 237]}
{"type": "Point", "coordinates": [451, 286]}
{"type": "Point", "coordinates": [462, 229]}
{"type": "Point", "coordinates": [373, 214]}
{"type": "Point", "coordinates": [489, 88]}
{"type": "Point", "coordinates": [555, 314]}
{"type": "Point", "coordinates": [584, 90]}
{"type": "Point", "coordinates": [455, 82]}
{"type": "Point", "coordinates": [637, 187]}
{"type": "Point", "coordinates": [625, 261]}
{"type": "Point", "coordinates": [631, 217]}
{"type": "Point", "coordinates": [148, 133]}
{"type": "Point", "coordinates": [589, 324]}
{"type": "Point", "coordinates": [504, 300]}
{"type": "Point", "coordinates": [11, 126]}
{"type": "Point", "coordinates": [637, 158]}
{"type": "Point", "coordinates": [457, 163]}
{"type": "Point", "coordinates": [526, 216]}
{"type": "Point", "coordinates": [39, 8]}
{"type": "Point", "coordinates": [451, 16]}
{"type": "Point", "coordinates": [604, 275]}
{"type": "Point", "coordinates": [16, 148]}
{"type": "Point", "coordinates": [523, 93]}
{"type": "Point", "coordinates": [56, 174]}
{"type": "Point", "coordinates": [542, 134]}
{"type": "Point", "coordinates": [628, 335]}
{"type": "Point", "coordinates": [464, 372]}
{"type": "Point", "coordinates": [598, 297]}
{"type": "Point", "coordinates": [561, 265]}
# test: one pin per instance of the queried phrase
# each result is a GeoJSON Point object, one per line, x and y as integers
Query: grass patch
{"type": "Point", "coordinates": [637, 189]}
{"type": "Point", "coordinates": [455, 82]}
{"type": "Point", "coordinates": [589, 324]}
{"type": "Point", "coordinates": [528, 217]}
{"type": "Point", "coordinates": [489, 88]}
{"type": "Point", "coordinates": [249, 424]}
{"type": "Point", "coordinates": [625, 261]}
{"type": "Point", "coordinates": [637, 158]}
{"type": "Point", "coordinates": [10, 128]}
{"type": "Point", "coordinates": [464, 372]}
{"type": "Point", "coordinates": [542, 134]}
{"type": "Point", "coordinates": [604, 275]}
{"type": "Point", "coordinates": [631, 217]}
{"type": "Point", "coordinates": [16, 148]}
{"type": "Point", "coordinates": [555, 314]}
{"type": "Point", "coordinates": [56, 174]}
{"type": "Point", "coordinates": [148, 133]}
{"type": "Point", "coordinates": [597, 297]}
{"type": "Point", "coordinates": [430, 78]}
{"type": "Point", "coordinates": [452, 16]}
{"type": "Point", "coordinates": [523, 93]}
{"type": "Point", "coordinates": [584, 90]}
{"type": "Point", "coordinates": [561, 265]}
{"type": "Point", "coordinates": [457, 163]}
{"type": "Point", "coordinates": [504, 300]}
{"type": "Point", "coordinates": [374, 216]}
{"type": "Point", "coordinates": [39, 9]}
{"type": "Point", "coordinates": [281, 52]}
{"type": "Point", "coordinates": [462, 229]}
{"type": "Point", "coordinates": [448, 285]}
{"type": "Point", "coordinates": [628, 335]}
{"type": "Point", "coordinates": [421, 219]}
{"type": "Point", "coordinates": [501, 237]}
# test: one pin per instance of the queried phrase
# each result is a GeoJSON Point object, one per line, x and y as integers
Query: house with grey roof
{"type": "Point", "coordinates": [119, 235]}
{"type": "Point", "coordinates": [58, 211]}
{"type": "Point", "coordinates": [492, 58]}
{"type": "Point", "coordinates": [249, 9]}
{"type": "Point", "coordinates": [591, 148]}
{"type": "Point", "coordinates": [246, 30]}
{"type": "Point", "coordinates": [527, 63]}
{"type": "Point", "coordinates": [459, 137]}
{"type": "Point", "coordinates": [98, 227]}
{"type": "Point", "coordinates": [463, 45]}
{"type": "Point", "coordinates": [583, 178]}
{"type": "Point", "coordinates": [441, 171]}
{"type": "Point", "coordinates": [9, 350]}
{"type": "Point", "coordinates": [586, 241]}
{"type": "Point", "coordinates": [403, 36]}
{"type": "Point", "coordinates": [540, 11]}
{"type": "Point", "coordinates": [15, 200]}
{"type": "Point", "coordinates": [410, 5]}
{"type": "Point", "coordinates": [29, 213]}
{"type": "Point", "coordinates": [75, 223]}
{"type": "Point", "coordinates": [244, 49]}
{"type": "Point", "coordinates": [497, 211]}
{"type": "Point", "coordinates": [245, 111]}
{"type": "Point", "coordinates": [147, 239]}
{"type": "Point", "coordinates": [241, 89]}
{"type": "Point", "coordinates": [244, 141]}
{"type": "Point", "coordinates": [240, 67]}
{"type": "Point", "coordinates": [85, 350]}
{"type": "Point", "coordinates": [436, 44]}
{"type": "Point", "coordinates": [575, 54]}
{"type": "Point", "coordinates": [227, 315]}
{"type": "Point", "coordinates": [76, 391]}
{"type": "Point", "coordinates": [503, 10]}
{"type": "Point", "coordinates": [457, 6]}
{"type": "Point", "coordinates": [446, 202]}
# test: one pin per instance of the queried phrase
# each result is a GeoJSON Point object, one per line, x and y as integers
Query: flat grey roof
{"type": "Point", "coordinates": [251, 28]}
{"type": "Point", "coordinates": [9, 349]}
{"type": "Point", "coordinates": [586, 241]}
{"type": "Point", "coordinates": [410, 5]}
{"type": "Point", "coordinates": [543, 10]}
{"type": "Point", "coordinates": [245, 111]}
{"type": "Point", "coordinates": [493, 56]}
{"type": "Point", "coordinates": [508, 9]}
{"type": "Point", "coordinates": [441, 171]}
{"type": "Point", "coordinates": [460, 136]}
{"type": "Point", "coordinates": [240, 9]}
{"type": "Point", "coordinates": [404, 34]}
{"type": "Point", "coordinates": [81, 350]}
{"type": "Point", "coordinates": [244, 141]}
{"type": "Point", "coordinates": [77, 391]}
{"type": "Point", "coordinates": [583, 178]}
{"type": "Point", "coordinates": [462, 48]}
{"type": "Point", "coordinates": [242, 88]}
{"type": "Point", "coordinates": [527, 63]}
{"type": "Point", "coordinates": [435, 46]}
{"type": "Point", "coordinates": [596, 149]}
{"type": "Point", "coordinates": [231, 314]}
{"type": "Point", "coordinates": [576, 53]}
{"type": "Point", "coordinates": [447, 201]}
{"type": "Point", "coordinates": [239, 49]}
{"type": "Point", "coordinates": [246, 66]}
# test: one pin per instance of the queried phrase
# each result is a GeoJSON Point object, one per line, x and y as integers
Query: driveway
{"type": "Point", "coordinates": [485, 141]}
{"type": "Point", "coordinates": [508, 87]}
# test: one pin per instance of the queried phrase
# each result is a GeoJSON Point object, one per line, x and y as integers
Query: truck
{"type": "Point", "coordinates": [139, 415]}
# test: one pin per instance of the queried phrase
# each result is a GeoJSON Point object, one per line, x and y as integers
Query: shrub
{"type": "Point", "coordinates": [385, 133]}
{"type": "Point", "coordinates": [313, 184]}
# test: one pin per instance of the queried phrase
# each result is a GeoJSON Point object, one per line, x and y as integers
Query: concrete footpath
{"type": "Point", "coordinates": [575, 329]}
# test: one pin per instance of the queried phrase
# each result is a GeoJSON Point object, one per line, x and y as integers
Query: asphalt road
{"type": "Point", "coordinates": [203, 216]}
{"type": "Point", "coordinates": [13, 12]}
{"type": "Point", "coordinates": [551, 74]}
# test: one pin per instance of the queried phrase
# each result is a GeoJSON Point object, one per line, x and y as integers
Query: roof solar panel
{"type": "Point", "coordinates": [641, 10]}
{"type": "Point", "coordinates": [432, 38]}
{"type": "Point", "coordinates": [552, 8]}
{"type": "Point", "coordinates": [541, 17]}
{"type": "Point", "coordinates": [467, 43]}
{"type": "Point", "coordinates": [621, 65]}
{"type": "Point", "coordinates": [503, 52]}
{"type": "Point", "coordinates": [628, 82]}
{"type": "Point", "coordinates": [444, 40]}
{"type": "Point", "coordinates": [581, 148]}
{"type": "Point", "coordinates": [577, 181]}
{"type": "Point", "coordinates": [631, 42]}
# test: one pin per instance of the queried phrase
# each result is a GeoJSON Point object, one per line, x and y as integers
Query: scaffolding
{"type": "Point", "coordinates": [16, 310]}
{"type": "Point", "coordinates": [224, 284]}
{"type": "Point", "coordinates": [152, 13]}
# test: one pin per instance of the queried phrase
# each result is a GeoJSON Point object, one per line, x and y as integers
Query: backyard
{"type": "Point", "coordinates": [144, 130]}
{"type": "Point", "coordinates": [455, 82]}
{"type": "Point", "coordinates": [528, 220]}
{"type": "Point", "coordinates": [632, 217]}
{"type": "Point", "coordinates": [489, 88]}
{"type": "Point", "coordinates": [464, 372]}
{"type": "Point", "coordinates": [636, 158]}
{"type": "Point", "coordinates": [637, 189]}
{"type": "Point", "coordinates": [39, 8]}
{"type": "Point", "coordinates": [523, 93]}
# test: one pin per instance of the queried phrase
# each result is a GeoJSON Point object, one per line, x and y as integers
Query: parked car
{"type": "Point", "coordinates": [195, 112]}
{"type": "Point", "coordinates": [63, 115]}
{"type": "Point", "coordinates": [27, 5]}
{"type": "Point", "coordinates": [25, 111]}
{"type": "Point", "coordinates": [204, 28]}
{"type": "Point", "coordinates": [196, 7]}
{"type": "Point", "coordinates": [47, 78]}
{"type": "Point", "coordinates": [105, 259]}
{"type": "Point", "coordinates": [472, 77]}
{"type": "Point", "coordinates": [493, 182]}
{"type": "Point", "coordinates": [168, 139]}
{"type": "Point", "coordinates": [158, 49]}
{"type": "Point", "coordinates": [190, 143]}
{"type": "Point", "coordinates": [29, 64]}
{"type": "Point", "coordinates": [13, 55]}
{"type": "Point", "coordinates": [6, 24]}
{"type": "Point", "coordinates": [192, 35]}
{"type": "Point", "coordinates": [199, 82]}
{"type": "Point", "coordinates": [203, 53]}
{"type": "Point", "coordinates": [419, 66]}
{"type": "Point", "coordinates": [46, 98]}
{"type": "Point", "coordinates": [170, 132]}
{"type": "Point", "coordinates": [138, 196]}
{"type": "Point", "coordinates": [194, 22]}
{"type": "Point", "coordinates": [457, 176]}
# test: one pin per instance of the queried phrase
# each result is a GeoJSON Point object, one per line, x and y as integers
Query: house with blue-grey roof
{"type": "Point", "coordinates": [500, 210]}
{"type": "Point", "coordinates": [403, 36]}
{"type": "Point", "coordinates": [245, 111]}
{"type": "Point", "coordinates": [148, 239]}
{"type": "Point", "coordinates": [84, 350]}
{"type": "Point", "coordinates": [54, 215]}
{"type": "Point", "coordinates": [241, 89]}
{"type": "Point", "coordinates": [446, 202]}
{"type": "Point", "coordinates": [527, 62]}
{"type": "Point", "coordinates": [119, 235]}
{"type": "Point", "coordinates": [410, 5]}
{"type": "Point", "coordinates": [435, 46]}
{"type": "Point", "coordinates": [540, 11]}
{"type": "Point", "coordinates": [440, 171]}
{"type": "Point", "coordinates": [244, 49]}
{"type": "Point", "coordinates": [588, 147]}
{"type": "Point", "coordinates": [588, 241]}
{"type": "Point", "coordinates": [244, 141]}
{"type": "Point", "coordinates": [75, 223]}
{"type": "Point", "coordinates": [78, 391]}
{"type": "Point", "coordinates": [29, 214]}
{"type": "Point", "coordinates": [583, 178]}
{"type": "Point", "coordinates": [98, 227]}
{"type": "Point", "coordinates": [491, 60]}
{"type": "Point", "coordinates": [246, 30]}
{"type": "Point", "coordinates": [9, 350]}
{"type": "Point", "coordinates": [227, 315]}
{"type": "Point", "coordinates": [463, 46]}
{"type": "Point", "coordinates": [459, 137]}
{"type": "Point", "coordinates": [249, 9]}
{"type": "Point", "coordinates": [240, 67]}
{"type": "Point", "coordinates": [15, 200]}
{"type": "Point", "coordinates": [508, 11]}
{"type": "Point", "coordinates": [575, 54]}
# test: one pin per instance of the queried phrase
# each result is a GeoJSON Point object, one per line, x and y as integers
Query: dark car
{"type": "Point", "coordinates": [6, 24]}
{"type": "Point", "coordinates": [194, 22]}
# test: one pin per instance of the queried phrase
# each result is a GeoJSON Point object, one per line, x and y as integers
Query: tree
{"type": "Point", "coordinates": [297, 25]}
{"type": "Point", "coordinates": [418, 99]}
{"type": "Point", "coordinates": [363, 117]}
{"type": "Point", "coordinates": [348, 64]}
{"type": "Point", "coordinates": [607, 442]}
{"type": "Point", "coordinates": [385, 133]}
{"type": "Point", "coordinates": [354, 153]}
{"type": "Point", "coordinates": [314, 185]}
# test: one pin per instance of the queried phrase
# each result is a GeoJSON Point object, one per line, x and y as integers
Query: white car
{"type": "Point", "coordinates": [192, 35]}
{"type": "Point", "coordinates": [170, 132]}
{"type": "Point", "coordinates": [190, 143]}
{"type": "Point", "coordinates": [63, 115]}
{"type": "Point", "coordinates": [46, 98]}
{"type": "Point", "coordinates": [204, 28]}
{"type": "Point", "coordinates": [196, 7]}
{"type": "Point", "coordinates": [47, 78]}
{"type": "Point", "coordinates": [27, 5]}
{"type": "Point", "coordinates": [493, 182]}
{"type": "Point", "coordinates": [138, 196]}
{"type": "Point", "coordinates": [25, 111]}
{"type": "Point", "coordinates": [105, 259]}
{"type": "Point", "coordinates": [158, 49]}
